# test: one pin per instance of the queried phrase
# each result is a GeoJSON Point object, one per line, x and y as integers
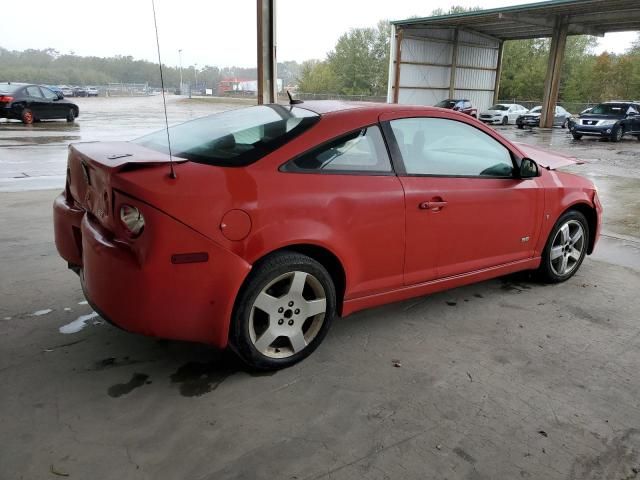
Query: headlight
{"type": "Point", "coordinates": [606, 123]}
{"type": "Point", "coordinates": [132, 220]}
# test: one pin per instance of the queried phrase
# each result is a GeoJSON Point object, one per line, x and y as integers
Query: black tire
{"type": "Point", "coordinates": [520, 126]}
{"type": "Point", "coordinates": [576, 136]}
{"type": "Point", "coordinates": [263, 273]}
{"type": "Point", "coordinates": [564, 124]}
{"type": "Point", "coordinates": [505, 120]}
{"type": "Point", "coordinates": [547, 272]}
{"type": "Point", "coordinates": [638, 137]}
{"type": "Point", "coordinates": [71, 115]}
{"type": "Point", "coordinates": [616, 134]}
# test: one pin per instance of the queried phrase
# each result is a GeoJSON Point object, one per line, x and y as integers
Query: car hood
{"type": "Point", "coordinates": [595, 116]}
{"type": "Point", "coordinates": [534, 114]}
{"type": "Point", "coordinates": [493, 112]}
{"type": "Point", "coordinates": [546, 158]}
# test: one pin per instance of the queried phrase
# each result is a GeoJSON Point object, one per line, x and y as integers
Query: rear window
{"type": "Point", "coordinates": [233, 138]}
{"type": "Point", "coordinates": [9, 88]}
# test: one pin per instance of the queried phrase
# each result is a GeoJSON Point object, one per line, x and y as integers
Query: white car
{"type": "Point", "coordinates": [92, 91]}
{"type": "Point", "coordinates": [503, 113]}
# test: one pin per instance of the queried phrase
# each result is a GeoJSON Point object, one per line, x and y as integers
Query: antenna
{"type": "Point", "coordinates": [172, 173]}
{"type": "Point", "coordinates": [293, 101]}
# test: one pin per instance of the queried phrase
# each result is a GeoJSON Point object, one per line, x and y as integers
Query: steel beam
{"type": "Point", "coordinates": [496, 85]}
{"type": "Point", "coordinates": [554, 70]}
{"type": "Point", "coordinates": [396, 80]}
{"type": "Point", "coordinates": [454, 65]}
{"type": "Point", "coordinates": [267, 64]}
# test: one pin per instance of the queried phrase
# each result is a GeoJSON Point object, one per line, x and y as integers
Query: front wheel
{"type": "Point", "coordinates": [616, 135]}
{"type": "Point", "coordinates": [283, 311]}
{"type": "Point", "coordinates": [505, 120]}
{"type": "Point", "coordinates": [565, 249]}
{"type": "Point", "coordinates": [520, 126]}
{"type": "Point", "coordinates": [576, 136]}
{"type": "Point", "coordinates": [71, 115]}
{"type": "Point", "coordinates": [564, 124]}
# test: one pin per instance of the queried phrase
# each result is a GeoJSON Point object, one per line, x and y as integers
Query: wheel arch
{"type": "Point", "coordinates": [320, 254]}
{"type": "Point", "coordinates": [590, 214]}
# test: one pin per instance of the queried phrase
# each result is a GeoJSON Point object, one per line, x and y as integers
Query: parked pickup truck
{"type": "Point", "coordinates": [463, 106]}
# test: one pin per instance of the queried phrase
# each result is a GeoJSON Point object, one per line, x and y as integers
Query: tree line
{"type": "Point", "coordinates": [51, 67]}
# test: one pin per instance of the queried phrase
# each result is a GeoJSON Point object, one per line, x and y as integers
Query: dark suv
{"type": "Point", "coordinates": [610, 120]}
{"type": "Point", "coordinates": [463, 106]}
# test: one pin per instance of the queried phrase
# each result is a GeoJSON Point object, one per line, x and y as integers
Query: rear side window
{"type": "Point", "coordinates": [234, 138]}
{"type": "Point", "coordinates": [33, 92]}
{"type": "Point", "coordinates": [363, 150]}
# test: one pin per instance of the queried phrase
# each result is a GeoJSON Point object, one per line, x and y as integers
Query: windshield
{"type": "Point", "coordinates": [499, 107]}
{"type": "Point", "coordinates": [233, 138]}
{"type": "Point", "coordinates": [446, 104]}
{"type": "Point", "coordinates": [610, 109]}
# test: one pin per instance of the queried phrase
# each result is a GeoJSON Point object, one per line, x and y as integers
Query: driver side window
{"type": "Point", "coordinates": [442, 147]}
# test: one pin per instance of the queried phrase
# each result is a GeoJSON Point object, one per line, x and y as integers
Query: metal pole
{"type": "Point", "coordinates": [454, 65]}
{"type": "Point", "coordinates": [396, 80]}
{"type": "Point", "coordinates": [267, 65]}
{"type": "Point", "coordinates": [496, 85]}
{"type": "Point", "coordinates": [554, 70]}
{"type": "Point", "coordinates": [180, 62]}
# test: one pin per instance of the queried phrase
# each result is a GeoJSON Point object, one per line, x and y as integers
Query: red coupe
{"type": "Point", "coordinates": [280, 217]}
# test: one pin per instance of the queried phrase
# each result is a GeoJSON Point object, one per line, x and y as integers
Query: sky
{"type": "Point", "coordinates": [218, 32]}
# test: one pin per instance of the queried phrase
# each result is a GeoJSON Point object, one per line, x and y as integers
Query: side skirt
{"type": "Point", "coordinates": [420, 289]}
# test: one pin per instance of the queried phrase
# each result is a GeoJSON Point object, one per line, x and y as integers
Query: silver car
{"type": "Point", "coordinates": [532, 118]}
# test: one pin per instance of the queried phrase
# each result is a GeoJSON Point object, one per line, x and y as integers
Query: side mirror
{"type": "Point", "coordinates": [59, 95]}
{"type": "Point", "coordinates": [528, 169]}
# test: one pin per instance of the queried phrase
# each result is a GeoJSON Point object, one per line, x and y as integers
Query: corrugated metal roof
{"type": "Point", "coordinates": [536, 20]}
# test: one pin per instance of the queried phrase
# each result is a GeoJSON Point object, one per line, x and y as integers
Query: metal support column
{"type": "Point", "coordinates": [267, 64]}
{"type": "Point", "coordinates": [396, 79]}
{"type": "Point", "coordinates": [554, 70]}
{"type": "Point", "coordinates": [454, 65]}
{"type": "Point", "coordinates": [496, 85]}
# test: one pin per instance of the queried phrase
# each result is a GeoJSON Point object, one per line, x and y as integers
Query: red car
{"type": "Point", "coordinates": [280, 217]}
{"type": "Point", "coordinates": [463, 106]}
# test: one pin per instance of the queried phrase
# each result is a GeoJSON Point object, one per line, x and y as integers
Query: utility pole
{"type": "Point", "coordinates": [180, 62]}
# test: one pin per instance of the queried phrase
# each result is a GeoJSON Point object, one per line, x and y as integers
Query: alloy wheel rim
{"type": "Point", "coordinates": [567, 247]}
{"type": "Point", "coordinates": [287, 314]}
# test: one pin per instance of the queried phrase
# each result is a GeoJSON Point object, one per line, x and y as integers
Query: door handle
{"type": "Point", "coordinates": [434, 206]}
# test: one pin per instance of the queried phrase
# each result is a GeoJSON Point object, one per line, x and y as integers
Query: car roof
{"type": "Point", "coordinates": [334, 106]}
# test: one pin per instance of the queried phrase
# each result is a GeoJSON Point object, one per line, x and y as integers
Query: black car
{"type": "Point", "coordinates": [31, 103]}
{"type": "Point", "coordinates": [610, 120]}
{"type": "Point", "coordinates": [532, 118]}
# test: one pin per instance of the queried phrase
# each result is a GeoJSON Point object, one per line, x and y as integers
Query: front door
{"type": "Point", "coordinates": [465, 210]}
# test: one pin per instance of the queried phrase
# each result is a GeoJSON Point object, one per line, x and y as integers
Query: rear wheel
{"type": "Point", "coordinates": [27, 116]}
{"type": "Point", "coordinates": [71, 115]}
{"type": "Point", "coordinates": [565, 249]}
{"type": "Point", "coordinates": [576, 136]}
{"type": "Point", "coordinates": [564, 124]}
{"type": "Point", "coordinates": [505, 120]}
{"type": "Point", "coordinates": [283, 312]}
{"type": "Point", "coordinates": [520, 126]}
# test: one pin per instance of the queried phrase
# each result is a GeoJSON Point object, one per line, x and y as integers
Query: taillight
{"type": "Point", "coordinates": [6, 99]}
{"type": "Point", "coordinates": [132, 220]}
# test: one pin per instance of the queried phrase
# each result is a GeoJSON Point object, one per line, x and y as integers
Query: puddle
{"type": "Point", "coordinates": [120, 389]}
{"type": "Point", "coordinates": [78, 324]}
{"type": "Point", "coordinates": [198, 378]}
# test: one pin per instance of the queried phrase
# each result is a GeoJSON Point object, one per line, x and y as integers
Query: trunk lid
{"type": "Point", "coordinates": [546, 158]}
{"type": "Point", "coordinates": [91, 167]}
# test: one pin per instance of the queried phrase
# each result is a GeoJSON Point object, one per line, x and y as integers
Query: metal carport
{"type": "Point", "coordinates": [460, 55]}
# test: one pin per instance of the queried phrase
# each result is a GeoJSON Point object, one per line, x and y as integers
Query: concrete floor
{"type": "Point", "coordinates": [500, 380]}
